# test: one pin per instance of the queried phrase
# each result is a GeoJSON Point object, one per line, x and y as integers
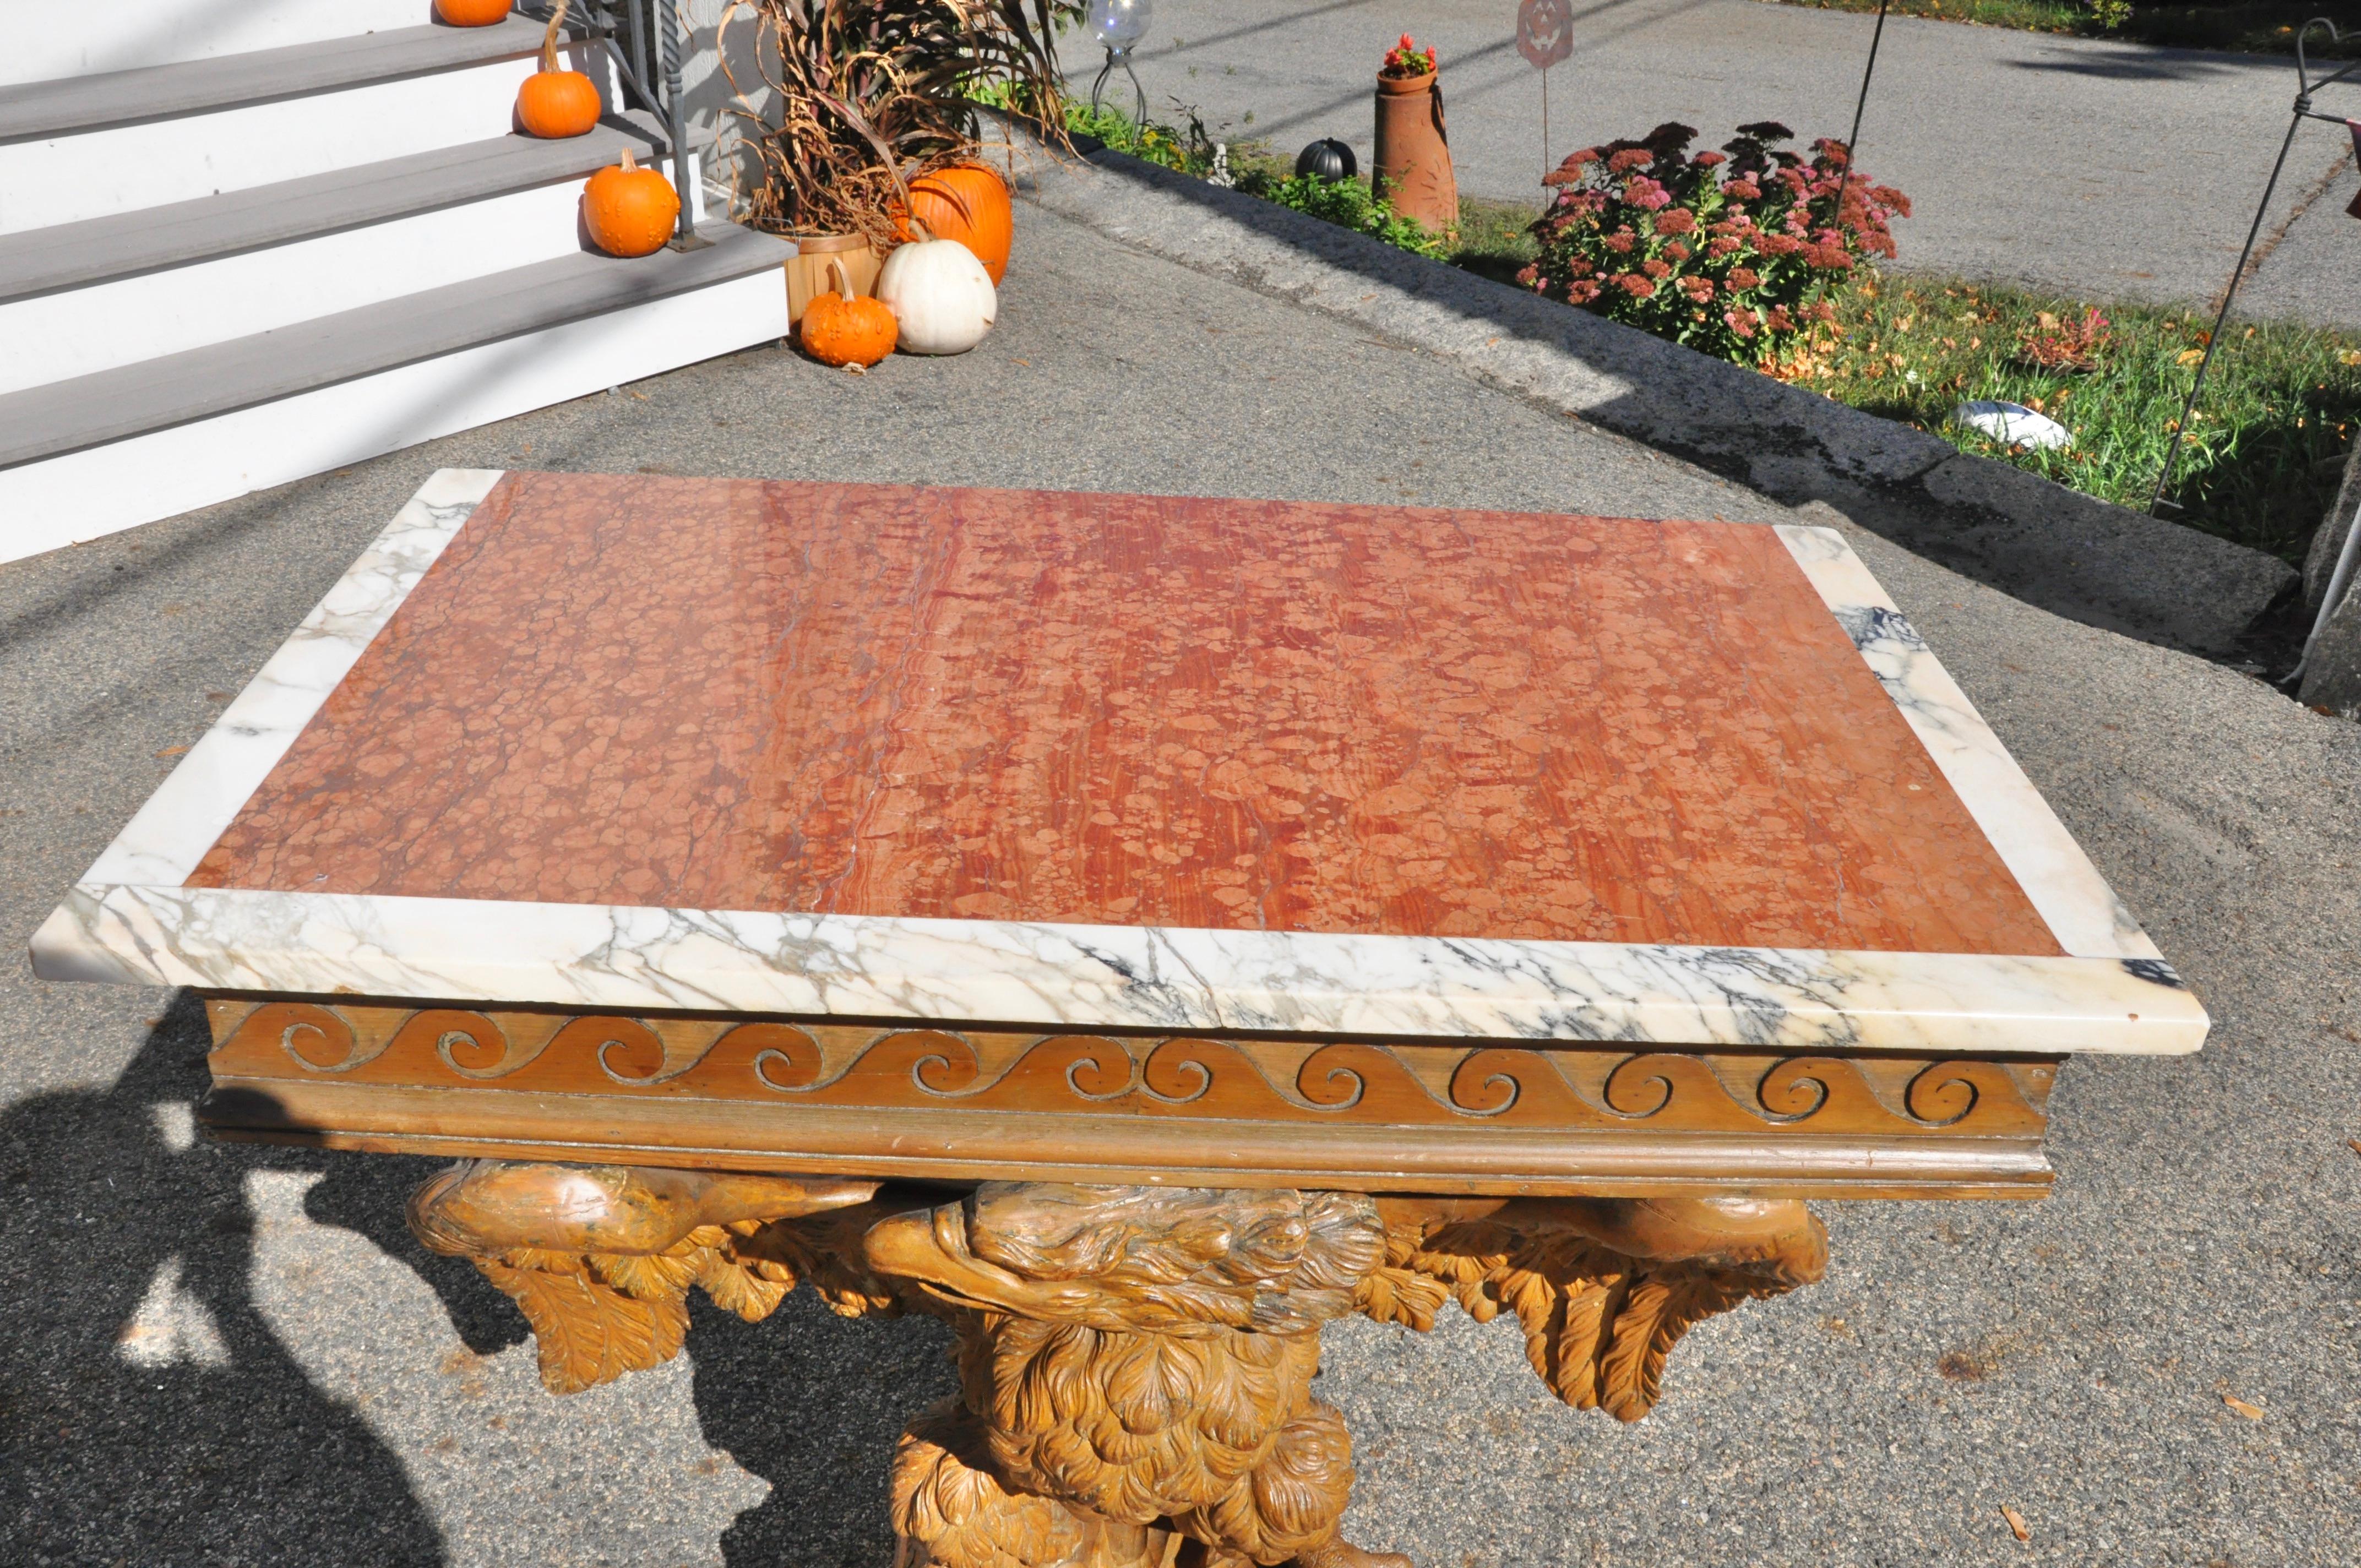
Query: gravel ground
{"type": "Point", "coordinates": [2101, 170]}
{"type": "Point", "coordinates": [236, 1356]}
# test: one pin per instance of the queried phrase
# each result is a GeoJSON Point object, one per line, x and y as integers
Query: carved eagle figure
{"type": "Point", "coordinates": [1147, 1352]}
{"type": "Point", "coordinates": [1135, 1362]}
{"type": "Point", "coordinates": [1144, 1352]}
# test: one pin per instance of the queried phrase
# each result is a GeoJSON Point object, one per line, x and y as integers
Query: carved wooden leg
{"type": "Point", "coordinates": [1145, 1356]}
{"type": "Point", "coordinates": [951, 1510]}
{"type": "Point", "coordinates": [1136, 1363]}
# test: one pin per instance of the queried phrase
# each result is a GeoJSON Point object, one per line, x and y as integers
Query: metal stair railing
{"type": "Point", "coordinates": [642, 39]}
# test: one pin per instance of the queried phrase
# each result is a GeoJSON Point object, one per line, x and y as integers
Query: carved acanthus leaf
{"type": "Point", "coordinates": [752, 1289]}
{"type": "Point", "coordinates": [588, 1331]}
{"type": "Point", "coordinates": [653, 1277]}
{"type": "Point", "coordinates": [1404, 1296]}
{"type": "Point", "coordinates": [1599, 1322]}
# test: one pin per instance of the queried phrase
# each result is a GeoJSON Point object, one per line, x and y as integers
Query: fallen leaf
{"type": "Point", "coordinates": [2189, 357]}
{"type": "Point", "coordinates": [171, 750]}
{"type": "Point", "coordinates": [2016, 1523]}
{"type": "Point", "coordinates": [2252, 1412]}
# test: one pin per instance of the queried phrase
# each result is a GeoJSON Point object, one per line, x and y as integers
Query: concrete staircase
{"type": "Point", "coordinates": [239, 244]}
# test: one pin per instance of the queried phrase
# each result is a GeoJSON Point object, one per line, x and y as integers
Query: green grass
{"type": "Point", "coordinates": [2261, 460]}
{"type": "Point", "coordinates": [2254, 26]}
{"type": "Point", "coordinates": [1491, 237]}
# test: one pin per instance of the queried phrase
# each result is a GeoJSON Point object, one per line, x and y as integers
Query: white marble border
{"type": "Point", "coordinates": [1113, 976]}
{"type": "Point", "coordinates": [162, 844]}
{"type": "Point", "coordinates": [132, 921]}
{"type": "Point", "coordinates": [2081, 911]}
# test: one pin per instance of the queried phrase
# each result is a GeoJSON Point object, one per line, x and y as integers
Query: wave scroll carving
{"type": "Point", "coordinates": [1187, 1076]}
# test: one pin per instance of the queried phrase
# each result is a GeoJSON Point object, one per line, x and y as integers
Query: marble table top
{"type": "Point", "coordinates": [1109, 760]}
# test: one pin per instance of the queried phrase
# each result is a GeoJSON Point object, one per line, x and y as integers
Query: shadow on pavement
{"type": "Point", "coordinates": [150, 1414]}
{"type": "Point", "coordinates": [807, 1401]}
{"type": "Point", "coordinates": [2159, 67]}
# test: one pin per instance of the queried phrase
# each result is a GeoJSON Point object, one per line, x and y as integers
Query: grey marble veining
{"type": "Point", "coordinates": [1113, 976]}
{"type": "Point", "coordinates": [164, 842]}
{"type": "Point", "coordinates": [2067, 890]}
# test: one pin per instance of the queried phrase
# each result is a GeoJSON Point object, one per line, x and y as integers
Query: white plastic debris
{"type": "Point", "coordinates": [2013, 423]}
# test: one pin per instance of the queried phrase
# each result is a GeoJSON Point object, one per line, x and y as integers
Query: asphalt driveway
{"type": "Point", "coordinates": [2100, 169]}
{"type": "Point", "coordinates": [227, 1355]}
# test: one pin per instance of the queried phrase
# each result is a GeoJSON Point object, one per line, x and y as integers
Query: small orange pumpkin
{"type": "Point", "coordinates": [630, 211]}
{"type": "Point", "coordinates": [472, 13]}
{"type": "Point", "coordinates": [968, 203]}
{"type": "Point", "coordinates": [553, 104]}
{"type": "Point", "coordinates": [842, 327]}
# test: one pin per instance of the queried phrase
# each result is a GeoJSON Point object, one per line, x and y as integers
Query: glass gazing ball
{"type": "Point", "coordinates": [1119, 24]}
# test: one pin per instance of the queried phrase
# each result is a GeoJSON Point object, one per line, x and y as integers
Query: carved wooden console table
{"type": "Point", "coordinates": [1137, 930]}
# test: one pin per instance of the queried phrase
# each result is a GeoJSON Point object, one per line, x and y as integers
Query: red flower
{"type": "Point", "coordinates": [1630, 157]}
{"type": "Point", "coordinates": [1657, 270]}
{"type": "Point", "coordinates": [1744, 278]}
{"type": "Point", "coordinates": [1678, 251]}
{"type": "Point", "coordinates": [1724, 246]}
{"type": "Point", "coordinates": [1780, 321]}
{"type": "Point", "coordinates": [1745, 189]}
{"type": "Point", "coordinates": [1632, 283]}
{"type": "Point", "coordinates": [1739, 322]}
{"type": "Point", "coordinates": [1779, 244]}
{"type": "Point", "coordinates": [1698, 288]}
{"type": "Point", "coordinates": [1680, 220]}
{"type": "Point", "coordinates": [1620, 242]}
{"type": "Point", "coordinates": [1710, 160]}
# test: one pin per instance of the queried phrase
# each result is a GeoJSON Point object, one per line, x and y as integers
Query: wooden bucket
{"type": "Point", "coordinates": [808, 268]}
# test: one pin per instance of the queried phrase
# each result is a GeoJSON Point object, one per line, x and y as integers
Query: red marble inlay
{"type": "Point", "coordinates": [1128, 710]}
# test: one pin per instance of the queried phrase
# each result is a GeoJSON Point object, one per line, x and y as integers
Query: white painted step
{"type": "Point", "coordinates": [81, 150]}
{"type": "Point", "coordinates": [111, 451]}
{"type": "Point", "coordinates": [72, 332]}
{"type": "Point", "coordinates": [47, 41]}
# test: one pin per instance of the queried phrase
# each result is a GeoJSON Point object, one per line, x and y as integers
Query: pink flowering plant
{"type": "Point", "coordinates": [1406, 59]}
{"type": "Point", "coordinates": [1732, 253]}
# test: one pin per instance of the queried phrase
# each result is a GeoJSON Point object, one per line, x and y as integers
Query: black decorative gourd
{"type": "Point", "coordinates": [1329, 158]}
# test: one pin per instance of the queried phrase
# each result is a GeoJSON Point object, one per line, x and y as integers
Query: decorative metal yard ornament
{"type": "Point", "coordinates": [1545, 38]}
{"type": "Point", "coordinates": [2306, 84]}
{"type": "Point", "coordinates": [1119, 26]}
{"type": "Point", "coordinates": [1329, 158]}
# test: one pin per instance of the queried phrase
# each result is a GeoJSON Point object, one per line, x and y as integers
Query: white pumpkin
{"type": "Point", "coordinates": [942, 295]}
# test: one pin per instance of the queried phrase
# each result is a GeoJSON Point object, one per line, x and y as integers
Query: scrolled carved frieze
{"type": "Point", "coordinates": [1974, 1124]}
{"type": "Point", "coordinates": [1195, 1075]}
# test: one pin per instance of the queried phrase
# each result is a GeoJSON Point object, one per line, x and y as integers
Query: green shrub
{"type": "Point", "coordinates": [1347, 204]}
{"type": "Point", "coordinates": [1732, 253]}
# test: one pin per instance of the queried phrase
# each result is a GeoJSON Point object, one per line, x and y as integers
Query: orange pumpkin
{"type": "Point", "coordinates": [842, 327]}
{"type": "Point", "coordinates": [968, 203]}
{"type": "Point", "coordinates": [630, 211]}
{"type": "Point", "coordinates": [553, 104]}
{"type": "Point", "coordinates": [472, 13]}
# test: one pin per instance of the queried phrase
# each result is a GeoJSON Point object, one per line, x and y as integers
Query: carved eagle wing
{"type": "Point", "coordinates": [1603, 1288]}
